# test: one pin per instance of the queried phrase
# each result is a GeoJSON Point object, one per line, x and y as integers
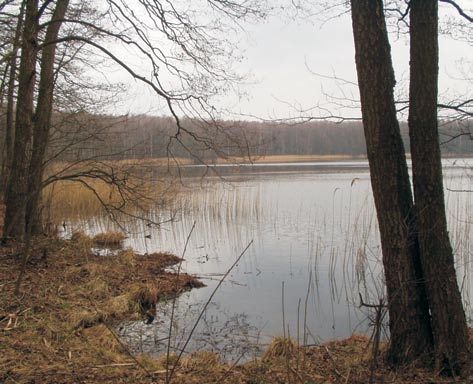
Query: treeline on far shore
{"type": "Point", "coordinates": [84, 136]}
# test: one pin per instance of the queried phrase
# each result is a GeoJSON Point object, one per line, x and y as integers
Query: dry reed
{"type": "Point", "coordinates": [280, 347]}
{"type": "Point", "coordinates": [108, 239]}
{"type": "Point", "coordinates": [108, 187]}
{"type": "Point", "coordinates": [302, 158]}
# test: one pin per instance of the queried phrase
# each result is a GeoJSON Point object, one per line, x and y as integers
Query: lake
{"type": "Point", "coordinates": [313, 249]}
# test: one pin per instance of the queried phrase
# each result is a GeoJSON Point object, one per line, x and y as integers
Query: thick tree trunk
{"type": "Point", "coordinates": [43, 118]}
{"type": "Point", "coordinates": [17, 190]}
{"type": "Point", "coordinates": [409, 319]}
{"type": "Point", "coordinates": [448, 318]}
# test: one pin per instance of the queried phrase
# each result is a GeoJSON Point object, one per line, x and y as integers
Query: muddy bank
{"type": "Point", "coordinates": [60, 328]}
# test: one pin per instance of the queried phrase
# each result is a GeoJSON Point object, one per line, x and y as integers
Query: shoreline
{"type": "Point", "coordinates": [60, 330]}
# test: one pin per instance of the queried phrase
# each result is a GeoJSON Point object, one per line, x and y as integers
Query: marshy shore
{"type": "Point", "coordinates": [60, 328]}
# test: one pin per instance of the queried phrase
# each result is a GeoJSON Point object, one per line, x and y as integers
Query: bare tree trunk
{"type": "Point", "coordinates": [448, 318]}
{"type": "Point", "coordinates": [17, 190]}
{"type": "Point", "coordinates": [10, 121]}
{"type": "Point", "coordinates": [43, 118]}
{"type": "Point", "coordinates": [409, 320]}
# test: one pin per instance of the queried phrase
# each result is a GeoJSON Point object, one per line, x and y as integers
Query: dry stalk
{"type": "Point", "coordinates": [124, 347]}
{"type": "Point", "coordinates": [169, 377]}
{"type": "Point", "coordinates": [173, 308]}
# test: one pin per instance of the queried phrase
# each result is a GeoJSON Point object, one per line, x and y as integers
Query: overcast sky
{"type": "Point", "coordinates": [291, 64]}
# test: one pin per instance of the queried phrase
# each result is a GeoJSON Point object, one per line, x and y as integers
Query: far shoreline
{"type": "Point", "coordinates": [245, 160]}
{"type": "Point", "coordinates": [283, 159]}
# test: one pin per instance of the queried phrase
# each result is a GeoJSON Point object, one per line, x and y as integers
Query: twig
{"type": "Point", "coordinates": [124, 347]}
{"type": "Point", "coordinates": [376, 337]}
{"type": "Point", "coordinates": [204, 309]}
{"type": "Point", "coordinates": [128, 352]}
{"type": "Point", "coordinates": [283, 315]}
{"type": "Point", "coordinates": [297, 374]}
{"type": "Point", "coordinates": [229, 370]}
{"type": "Point", "coordinates": [173, 307]}
{"type": "Point", "coordinates": [115, 365]}
{"type": "Point", "coordinates": [286, 340]}
{"type": "Point", "coordinates": [333, 361]}
{"type": "Point", "coordinates": [459, 10]}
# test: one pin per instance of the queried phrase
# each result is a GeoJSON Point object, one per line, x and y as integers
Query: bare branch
{"type": "Point", "coordinates": [459, 9]}
{"type": "Point", "coordinates": [464, 107]}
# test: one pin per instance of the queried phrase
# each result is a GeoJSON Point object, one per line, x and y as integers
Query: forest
{"type": "Point", "coordinates": [106, 137]}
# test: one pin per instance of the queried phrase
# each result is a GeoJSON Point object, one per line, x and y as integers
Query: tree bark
{"type": "Point", "coordinates": [10, 121]}
{"type": "Point", "coordinates": [409, 319]}
{"type": "Point", "coordinates": [448, 318]}
{"type": "Point", "coordinates": [17, 190]}
{"type": "Point", "coordinates": [43, 118]}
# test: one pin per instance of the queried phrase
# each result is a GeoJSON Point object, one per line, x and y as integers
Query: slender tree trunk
{"type": "Point", "coordinates": [409, 319]}
{"type": "Point", "coordinates": [17, 190]}
{"type": "Point", "coordinates": [3, 153]}
{"type": "Point", "coordinates": [10, 121]}
{"type": "Point", "coordinates": [448, 318]}
{"type": "Point", "coordinates": [43, 118]}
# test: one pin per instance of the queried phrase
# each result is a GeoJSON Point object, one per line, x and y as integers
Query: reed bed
{"type": "Point", "coordinates": [342, 250]}
{"type": "Point", "coordinates": [107, 188]}
{"type": "Point", "coordinates": [304, 158]}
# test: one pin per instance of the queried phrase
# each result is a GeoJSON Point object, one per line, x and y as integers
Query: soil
{"type": "Point", "coordinates": [60, 328]}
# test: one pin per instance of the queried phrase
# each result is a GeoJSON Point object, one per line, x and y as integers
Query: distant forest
{"type": "Point", "coordinates": [137, 137]}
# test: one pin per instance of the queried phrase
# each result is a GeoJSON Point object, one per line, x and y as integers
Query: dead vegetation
{"type": "Point", "coordinates": [60, 329]}
{"type": "Point", "coordinates": [107, 239]}
{"type": "Point", "coordinates": [114, 188]}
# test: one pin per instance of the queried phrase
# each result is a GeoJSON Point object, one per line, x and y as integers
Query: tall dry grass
{"type": "Point", "coordinates": [88, 189]}
{"type": "Point", "coordinates": [131, 185]}
{"type": "Point", "coordinates": [303, 158]}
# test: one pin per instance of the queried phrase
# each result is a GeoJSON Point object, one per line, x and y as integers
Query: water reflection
{"type": "Point", "coordinates": [231, 335]}
{"type": "Point", "coordinates": [316, 249]}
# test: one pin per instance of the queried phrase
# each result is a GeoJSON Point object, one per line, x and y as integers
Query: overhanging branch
{"type": "Point", "coordinates": [459, 9]}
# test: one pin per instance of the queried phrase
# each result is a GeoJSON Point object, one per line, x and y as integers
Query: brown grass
{"type": "Point", "coordinates": [293, 158]}
{"type": "Point", "coordinates": [82, 243]}
{"type": "Point", "coordinates": [109, 239]}
{"type": "Point", "coordinates": [59, 330]}
{"type": "Point", "coordinates": [156, 162]}
{"type": "Point", "coordinates": [72, 199]}
{"type": "Point", "coordinates": [135, 186]}
{"type": "Point", "coordinates": [280, 347]}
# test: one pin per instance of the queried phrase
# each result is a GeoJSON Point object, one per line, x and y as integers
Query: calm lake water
{"type": "Point", "coordinates": [313, 250]}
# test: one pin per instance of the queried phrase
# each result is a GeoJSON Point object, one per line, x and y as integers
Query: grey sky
{"type": "Point", "coordinates": [280, 52]}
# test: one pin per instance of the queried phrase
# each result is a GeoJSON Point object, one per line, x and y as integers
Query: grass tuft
{"type": "Point", "coordinates": [204, 361]}
{"type": "Point", "coordinates": [280, 347]}
{"type": "Point", "coordinates": [146, 298]}
{"type": "Point", "coordinates": [108, 239]}
{"type": "Point", "coordinates": [85, 318]}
